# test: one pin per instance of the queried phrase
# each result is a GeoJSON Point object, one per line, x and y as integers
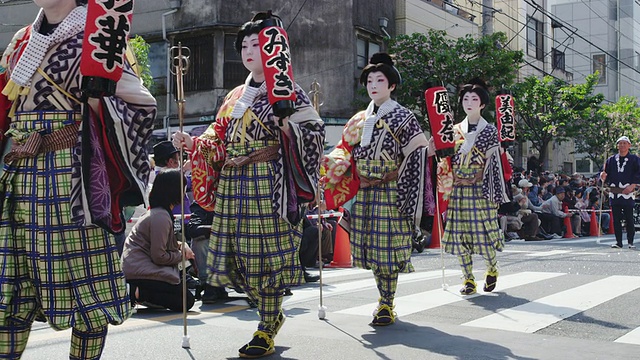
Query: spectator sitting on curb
{"type": "Point", "coordinates": [152, 252]}
{"type": "Point", "coordinates": [552, 213]}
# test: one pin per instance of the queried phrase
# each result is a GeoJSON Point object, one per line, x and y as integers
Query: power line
{"type": "Point", "coordinates": [552, 39]}
{"type": "Point", "coordinates": [574, 31]}
{"type": "Point", "coordinates": [553, 18]}
{"type": "Point", "coordinates": [570, 48]}
{"type": "Point", "coordinates": [295, 17]}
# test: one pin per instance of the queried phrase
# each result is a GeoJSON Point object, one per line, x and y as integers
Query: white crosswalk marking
{"type": "Point", "coordinates": [538, 314]}
{"type": "Point", "coordinates": [411, 304]}
{"type": "Point", "coordinates": [308, 293]}
{"type": "Point", "coordinates": [548, 253]}
{"type": "Point", "coordinates": [632, 337]}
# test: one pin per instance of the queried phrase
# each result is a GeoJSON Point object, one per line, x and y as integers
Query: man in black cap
{"type": "Point", "coordinates": [622, 172]}
{"type": "Point", "coordinates": [166, 155]}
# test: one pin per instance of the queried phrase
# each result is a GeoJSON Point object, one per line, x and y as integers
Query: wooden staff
{"type": "Point", "coordinates": [179, 67]}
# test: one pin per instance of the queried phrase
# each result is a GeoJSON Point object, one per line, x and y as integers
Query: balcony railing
{"type": "Point", "coordinates": [452, 9]}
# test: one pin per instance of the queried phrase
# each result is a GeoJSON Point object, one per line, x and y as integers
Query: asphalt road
{"type": "Point", "coordinates": [558, 299]}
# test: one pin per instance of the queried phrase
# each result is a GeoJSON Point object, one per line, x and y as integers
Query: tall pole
{"type": "Point", "coordinates": [180, 66]}
{"type": "Point", "coordinates": [487, 17]}
{"type": "Point", "coordinates": [316, 101]}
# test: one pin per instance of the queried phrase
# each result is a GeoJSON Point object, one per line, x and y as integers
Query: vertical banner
{"type": "Point", "coordinates": [505, 117]}
{"type": "Point", "coordinates": [440, 120]}
{"type": "Point", "coordinates": [278, 70]}
{"type": "Point", "coordinates": [104, 44]}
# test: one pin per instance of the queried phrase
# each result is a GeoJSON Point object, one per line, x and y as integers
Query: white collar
{"type": "Point", "coordinates": [39, 44]}
{"type": "Point", "coordinates": [249, 95]}
{"type": "Point", "coordinates": [470, 137]}
{"type": "Point", "coordinates": [371, 119]}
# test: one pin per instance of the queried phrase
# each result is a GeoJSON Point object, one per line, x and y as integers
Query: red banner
{"type": "Point", "coordinates": [105, 40]}
{"type": "Point", "coordinates": [440, 118]}
{"type": "Point", "coordinates": [278, 70]}
{"type": "Point", "coordinates": [505, 117]}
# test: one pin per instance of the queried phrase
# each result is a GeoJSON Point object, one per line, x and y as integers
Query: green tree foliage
{"type": "Point", "coordinates": [434, 58]}
{"type": "Point", "coordinates": [141, 51]}
{"type": "Point", "coordinates": [597, 135]}
{"type": "Point", "coordinates": [550, 109]}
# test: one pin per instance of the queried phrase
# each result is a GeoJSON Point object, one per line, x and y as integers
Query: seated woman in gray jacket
{"type": "Point", "coordinates": [152, 252]}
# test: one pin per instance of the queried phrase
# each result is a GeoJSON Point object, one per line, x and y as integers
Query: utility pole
{"type": "Point", "coordinates": [487, 17]}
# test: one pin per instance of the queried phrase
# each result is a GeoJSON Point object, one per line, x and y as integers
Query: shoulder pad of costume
{"type": "Point", "coordinates": [19, 37]}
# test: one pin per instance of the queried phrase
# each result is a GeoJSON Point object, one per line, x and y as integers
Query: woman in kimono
{"type": "Point", "coordinates": [55, 265]}
{"type": "Point", "coordinates": [472, 225]}
{"type": "Point", "coordinates": [255, 171]}
{"type": "Point", "coordinates": [382, 161]}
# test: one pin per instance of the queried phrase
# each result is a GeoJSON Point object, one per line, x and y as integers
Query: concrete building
{"type": "Point", "coordinates": [330, 40]}
{"type": "Point", "coordinates": [603, 36]}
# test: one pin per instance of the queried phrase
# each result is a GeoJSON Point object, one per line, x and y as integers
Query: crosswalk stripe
{"type": "Point", "coordinates": [329, 273]}
{"type": "Point", "coordinates": [632, 337]}
{"type": "Point", "coordinates": [410, 304]}
{"type": "Point", "coordinates": [308, 293]}
{"type": "Point", "coordinates": [538, 314]}
{"type": "Point", "coordinates": [548, 253]}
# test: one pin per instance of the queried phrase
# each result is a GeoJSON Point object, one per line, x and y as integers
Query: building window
{"type": "Point", "coordinates": [557, 61]}
{"type": "Point", "coordinates": [234, 71]}
{"type": "Point", "coordinates": [200, 74]}
{"type": "Point", "coordinates": [366, 48]}
{"type": "Point", "coordinates": [583, 165]}
{"type": "Point", "coordinates": [600, 65]}
{"type": "Point", "coordinates": [636, 63]}
{"type": "Point", "coordinates": [535, 38]}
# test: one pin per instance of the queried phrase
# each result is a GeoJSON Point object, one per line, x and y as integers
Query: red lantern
{"type": "Point", "coordinates": [505, 117]}
{"type": "Point", "coordinates": [440, 120]}
{"type": "Point", "coordinates": [278, 71]}
{"type": "Point", "coordinates": [103, 48]}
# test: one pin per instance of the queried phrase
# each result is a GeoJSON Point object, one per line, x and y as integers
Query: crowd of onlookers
{"type": "Point", "coordinates": [541, 202]}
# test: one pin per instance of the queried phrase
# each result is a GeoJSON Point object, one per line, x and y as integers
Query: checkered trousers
{"type": "Point", "coordinates": [380, 235]}
{"type": "Point", "coordinates": [48, 265]}
{"type": "Point", "coordinates": [471, 226]}
{"type": "Point", "coordinates": [250, 243]}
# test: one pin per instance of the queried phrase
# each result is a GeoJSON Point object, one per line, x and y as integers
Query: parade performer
{"type": "Point", "coordinates": [256, 171]}
{"type": "Point", "coordinates": [622, 172]}
{"type": "Point", "coordinates": [382, 161]}
{"type": "Point", "coordinates": [55, 265]}
{"type": "Point", "coordinates": [476, 172]}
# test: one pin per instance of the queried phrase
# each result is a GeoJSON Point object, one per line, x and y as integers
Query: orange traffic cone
{"type": "Point", "coordinates": [611, 231]}
{"type": "Point", "coordinates": [567, 224]}
{"type": "Point", "coordinates": [593, 225]}
{"type": "Point", "coordinates": [341, 250]}
{"type": "Point", "coordinates": [436, 231]}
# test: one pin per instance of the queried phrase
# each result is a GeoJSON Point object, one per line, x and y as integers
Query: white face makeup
{"type": "Point", "coordinates": [378, 87]}
{"type": "Point", "coordinates": [251, 55]}
{"type": "Point", "coordinates": [472, 104]}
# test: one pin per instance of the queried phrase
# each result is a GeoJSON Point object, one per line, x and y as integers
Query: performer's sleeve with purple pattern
{"type": "Point", "coordinates": [494, 187]}
{"type": "Point", "coordinates": [415, 188]}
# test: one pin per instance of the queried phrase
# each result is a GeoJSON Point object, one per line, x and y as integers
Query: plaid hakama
{"type": "Point", "coordinates": [250, 243]}
{"type": "Point", "coordinates": [251, 246]}
{"type": "Point", "coordinates": [471, 225]}
{"type": "Point", "coordinates": [51, 268]}
{"type": "Point", "coordinates": [380, 235]}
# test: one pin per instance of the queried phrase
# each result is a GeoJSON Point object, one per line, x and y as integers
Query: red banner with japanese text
{"type": "Point", "coordinates": [440, 119]}
{"type": "Point", "coordinates": [278, 70]}
{"type": "Point", "coordinates": [104, 44]}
